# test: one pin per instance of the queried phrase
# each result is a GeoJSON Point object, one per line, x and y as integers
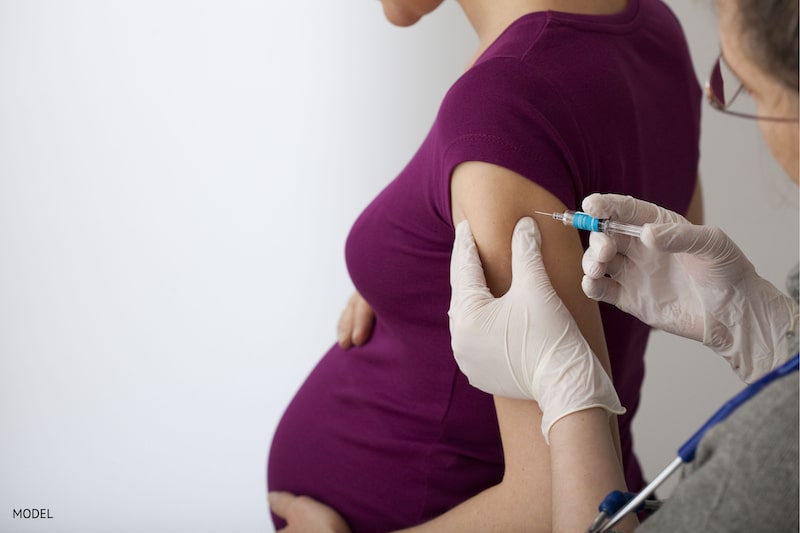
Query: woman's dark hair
{"type": "Point", "coordinates": [770, 31]}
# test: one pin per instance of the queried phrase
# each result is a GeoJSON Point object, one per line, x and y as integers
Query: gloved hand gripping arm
{"type": "Point", "coordinates": [524, 344]}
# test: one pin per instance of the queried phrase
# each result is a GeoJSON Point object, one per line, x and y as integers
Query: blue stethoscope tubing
{"type": "Point", "coordinates": [687, 452]}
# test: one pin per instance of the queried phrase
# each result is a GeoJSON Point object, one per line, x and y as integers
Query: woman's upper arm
{"type": "Point", "coordinates": [695, 213]}
{"type": "Point", "coordinates": [493, 199]}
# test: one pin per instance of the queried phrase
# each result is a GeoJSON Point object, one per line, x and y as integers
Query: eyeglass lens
{"type": "Point", "coordinates": [723, 87]}
{"type": "Point", "coordinates": [723, 84]}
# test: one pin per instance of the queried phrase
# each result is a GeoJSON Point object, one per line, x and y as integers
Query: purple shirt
{"type": "Point", "coordinates": [391, 434]}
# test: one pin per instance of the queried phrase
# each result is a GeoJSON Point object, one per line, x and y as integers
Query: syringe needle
{"type": "Point", "coordinates": [557, 216]}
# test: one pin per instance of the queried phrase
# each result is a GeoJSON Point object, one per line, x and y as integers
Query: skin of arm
{"type": "Point", "coordinates": [585, 469]}
{"type": "Point", "coordinates": [695, 213]}
{"type": "Point", "coordinates": [493, 199]}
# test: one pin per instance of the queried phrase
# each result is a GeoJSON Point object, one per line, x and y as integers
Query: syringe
{"type": "Point", "coordinates": [580, 220]}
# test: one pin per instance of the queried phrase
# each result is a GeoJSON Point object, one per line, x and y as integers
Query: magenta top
{"type": "Point", "coordinates": [391, 434]}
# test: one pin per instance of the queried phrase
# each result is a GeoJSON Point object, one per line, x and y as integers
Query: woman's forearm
{"type": "Point", "coordinates": [585, 468]}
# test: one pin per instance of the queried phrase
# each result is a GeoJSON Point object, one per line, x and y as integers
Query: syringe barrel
{"type": "Point", "coordinates": [612, 226]}
{"type": "Point", "coordinates": [580, 220]}
{"type": "Point", "coordinates": [586, 222]}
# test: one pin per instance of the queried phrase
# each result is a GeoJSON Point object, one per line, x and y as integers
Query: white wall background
{"type": "Point", "coordinates": [177, 179]}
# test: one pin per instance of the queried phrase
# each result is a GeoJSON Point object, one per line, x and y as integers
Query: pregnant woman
{"type": "Point", "coordinates": [562, 98]}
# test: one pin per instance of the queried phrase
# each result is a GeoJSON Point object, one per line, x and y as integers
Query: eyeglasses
{"type": "Point", "coordinates": [722, 89]}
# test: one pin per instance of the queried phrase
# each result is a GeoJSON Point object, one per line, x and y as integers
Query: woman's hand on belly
{"type": "Point", "coordinates": [355, 322]}
{"type": "Point", "coordinates": [306, 515]}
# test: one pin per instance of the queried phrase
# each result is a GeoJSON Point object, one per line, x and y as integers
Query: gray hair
{"type": "Point", "coordinates": [770, 31]}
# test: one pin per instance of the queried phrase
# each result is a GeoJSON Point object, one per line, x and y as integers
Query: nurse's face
{"type": "Point", "coordinates": [772, 98]}
{"type": "Point", "coordinates": [408, 12]}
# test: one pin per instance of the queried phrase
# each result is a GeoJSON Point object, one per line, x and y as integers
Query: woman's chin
{"type": "Point", "coordinates": [399, 16]}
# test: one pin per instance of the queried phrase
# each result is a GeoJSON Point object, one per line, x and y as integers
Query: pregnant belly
{"type": "Point", "coordinates": [382, 456]}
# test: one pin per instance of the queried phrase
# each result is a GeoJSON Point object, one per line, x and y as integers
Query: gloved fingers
{"type": "Point", "coordinates": [466, 270]}
{"type": "Point", "coordinates": [602, 246]}
{"type": "Point", "coordinates": [618, 207]}
{"type": "Point", "coordinates": [609, 269]}
{"type": "Point", "coordinates": [591, 267]}
{"type": "Point", "coordinates": [527, 266]}
{"type": "Point", "coordinates": [615, 268]}
{"type": "Point", "coordinates": [706, 242]}
{"type": "Point", "coordinates": [602, 257]}
{"type": "Point", "coordinates": [602, 289]}
{"type": "Point", "coordinates": [627, 209]}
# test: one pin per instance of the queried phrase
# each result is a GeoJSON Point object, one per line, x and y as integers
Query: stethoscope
{"type": "Point", "coordinates": [620, 504]}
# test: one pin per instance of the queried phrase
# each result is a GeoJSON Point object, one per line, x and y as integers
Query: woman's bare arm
{"type": "Point", "coordinates": [695, 213]}
{"type": "Point", "coordinates": [493, 199]}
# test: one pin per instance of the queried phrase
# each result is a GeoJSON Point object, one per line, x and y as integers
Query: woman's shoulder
{"type": "Point", "coordinates": [497, 85]}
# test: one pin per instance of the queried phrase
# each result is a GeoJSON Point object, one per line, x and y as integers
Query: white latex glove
{"type": "Point", "coordinates": [524, 344]}
{"type": "Point", "coordinates": [689, 280]}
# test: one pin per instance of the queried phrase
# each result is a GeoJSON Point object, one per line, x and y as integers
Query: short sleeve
{"type": "Point", "coordinates": [497, 113]}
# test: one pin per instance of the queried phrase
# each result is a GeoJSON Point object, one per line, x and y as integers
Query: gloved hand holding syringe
{"type": "Point", "coordinates": [689, 280]}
